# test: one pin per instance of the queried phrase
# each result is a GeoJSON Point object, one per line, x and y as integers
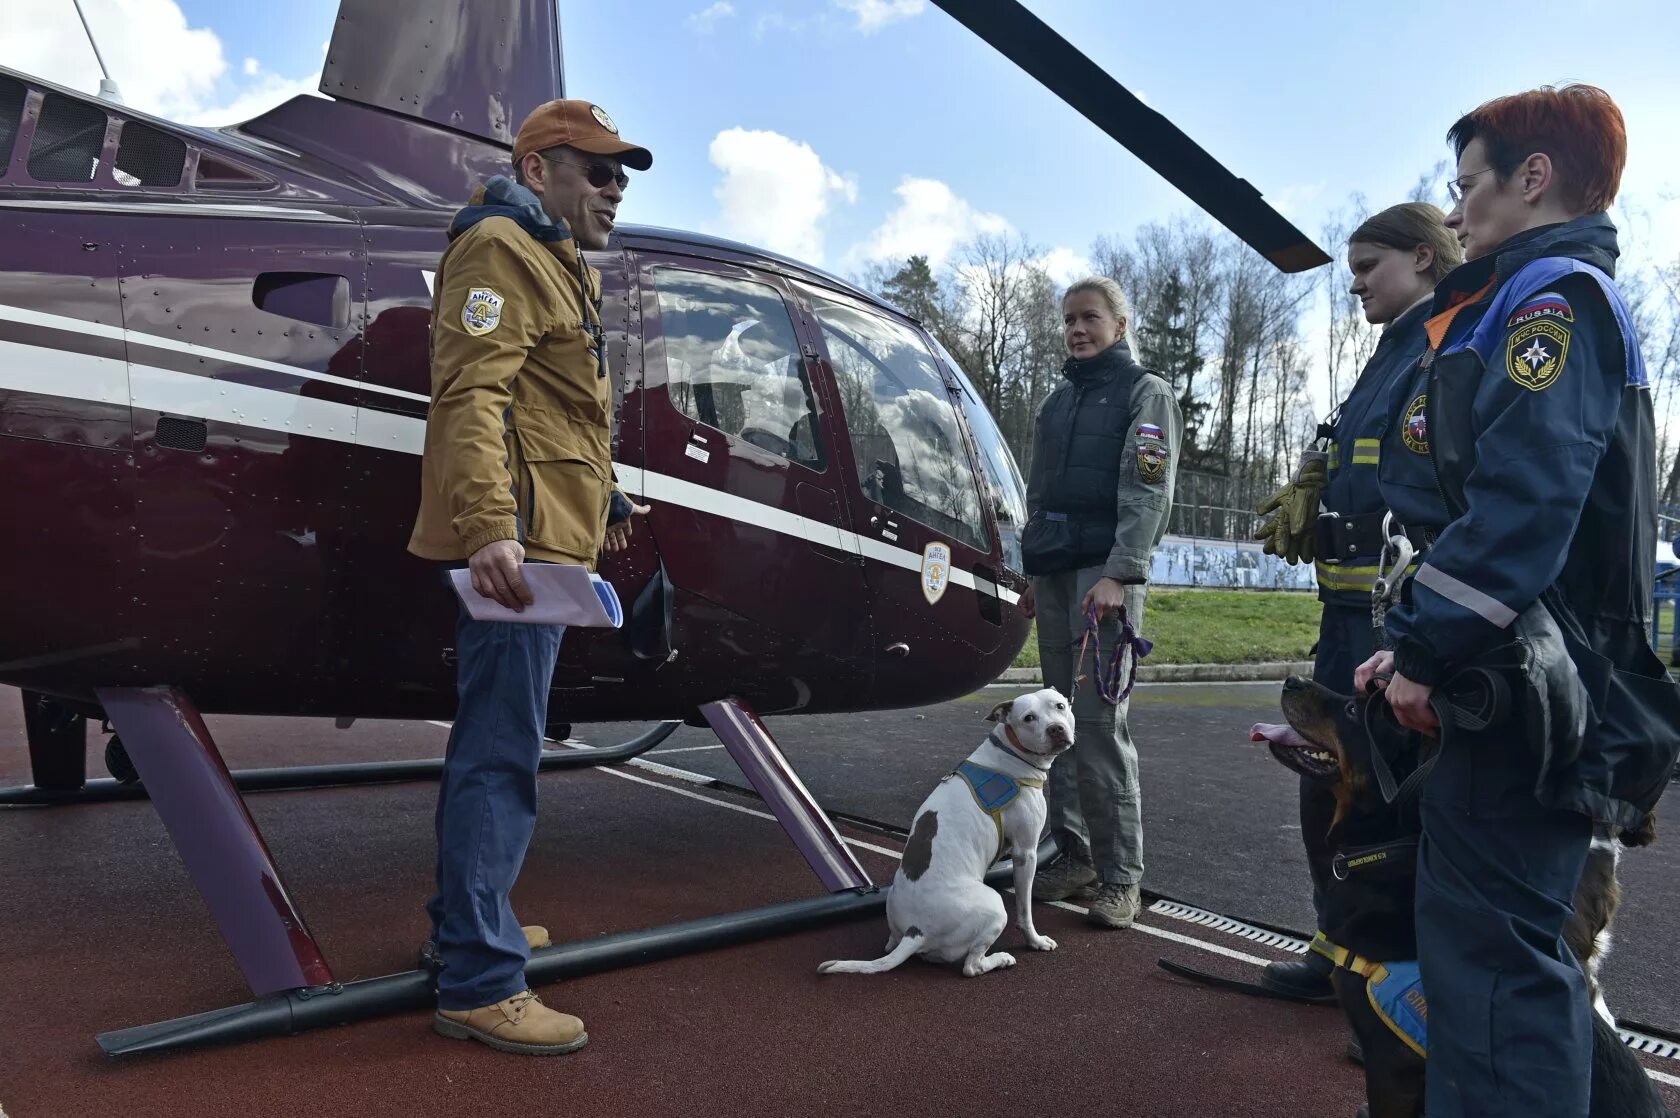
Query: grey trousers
{"type": "Point", "coordinates": [1095, 806]}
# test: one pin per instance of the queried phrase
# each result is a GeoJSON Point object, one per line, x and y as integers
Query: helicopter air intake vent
{"type": "Point", "coordinates": [147, 157]}
{"type": "Point", "coordinates": [12, 96]}
{"type": "Point", "coordinates": [182, 434]}
{"type": "Point", "coordinates": [68, 139]}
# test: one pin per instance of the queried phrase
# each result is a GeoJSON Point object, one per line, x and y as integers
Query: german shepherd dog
{"type": "Point", "coordinates": [1369, 909]}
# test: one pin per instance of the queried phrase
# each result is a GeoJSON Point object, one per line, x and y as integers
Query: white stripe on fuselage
{"type": "Point", "coordinates": [78, 376]}
{"type": "Point", "coordinates": [176, 345]}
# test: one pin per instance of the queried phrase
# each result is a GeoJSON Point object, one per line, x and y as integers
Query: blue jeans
{"type": "Point", "coordinates": [1510, 1027]}
{"type": "Point", "coordinates": [487, 806]}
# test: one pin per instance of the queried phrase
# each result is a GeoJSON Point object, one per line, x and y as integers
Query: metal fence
{"type": "Point", "coordinates": [1215, 507]}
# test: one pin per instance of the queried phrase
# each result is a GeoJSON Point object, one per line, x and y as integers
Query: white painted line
{"type": "Point", "coordinates": [1189, 941]}
{"type": "Point", "coordinates": [684, 749]}
{"type": "Point", "coordinates": [622, 775]}
{"type": "Point", "coordinates": [1663, 1077]}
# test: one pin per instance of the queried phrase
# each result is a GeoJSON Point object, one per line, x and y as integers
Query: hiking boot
{"type": "Point", "coordinates": [1114, 906]}
{"type": "Point", "coordinates": [1306, 978]}
{"type": "Point", "coordinates": [1061, 877]}
{"type": "Point", "coordinates": [521, 1024]}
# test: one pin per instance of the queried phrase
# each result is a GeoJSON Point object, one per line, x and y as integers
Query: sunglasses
{"type": "Point", "coordinates": [598, 174]}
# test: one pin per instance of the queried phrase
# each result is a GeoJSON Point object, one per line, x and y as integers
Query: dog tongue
{"type": "Point", "coordinates": [1278, 734]}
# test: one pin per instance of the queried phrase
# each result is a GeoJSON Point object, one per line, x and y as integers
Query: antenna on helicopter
{"type": "Point", "coordinates": [107, 88]}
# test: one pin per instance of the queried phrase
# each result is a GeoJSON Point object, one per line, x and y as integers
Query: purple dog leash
{"type": "Point", "coordinates": [1108, 678]}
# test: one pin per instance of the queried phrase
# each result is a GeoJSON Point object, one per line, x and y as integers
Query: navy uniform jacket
{"type": "Point", "coordinates": [1355, 450]}
{"type": "Point", "coordinates": [1544, 423]}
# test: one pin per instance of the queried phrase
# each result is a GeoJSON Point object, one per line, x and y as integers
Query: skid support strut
{"type": "Point", "coordinates": [761, 759]}
{"type": "Point", "coordinates": [217, 838]}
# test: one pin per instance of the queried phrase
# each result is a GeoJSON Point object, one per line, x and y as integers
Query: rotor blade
{"type": "Point", "coordinates": [1032, 45]}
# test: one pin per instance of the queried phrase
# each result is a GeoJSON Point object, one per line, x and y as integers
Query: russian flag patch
{"type": "Point", "coordinates": [1547, 304]}
{"type": "Point", "coordinates": [1149, 431]}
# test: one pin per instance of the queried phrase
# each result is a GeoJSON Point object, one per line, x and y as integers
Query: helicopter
{"type": "Point", "coordinates": [213, 393]}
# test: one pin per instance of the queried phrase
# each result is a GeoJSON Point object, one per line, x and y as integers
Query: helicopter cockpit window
{"type": "Point", "coordinates": [1000, 475]}
{"type": "Point", "coordinates": [732, 362]}
{"type": "Point", "coordinates": [68, 139]}
{"type": "Point", "coordinates": [905, 436]}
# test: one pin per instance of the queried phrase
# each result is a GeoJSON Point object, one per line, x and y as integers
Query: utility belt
{"type": "Point", "coordinates": [1343, 539]}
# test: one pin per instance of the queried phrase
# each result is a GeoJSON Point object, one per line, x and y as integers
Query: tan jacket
{"type": "Point", "coordinates": [518, 439]}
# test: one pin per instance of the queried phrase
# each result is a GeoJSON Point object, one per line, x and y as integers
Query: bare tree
{"type": "Point", "coordinates": [1349, 340]}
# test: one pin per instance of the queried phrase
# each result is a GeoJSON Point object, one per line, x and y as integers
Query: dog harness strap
{"type": "Point", "coordinates": [1399, 857]}
{"type": "Point", "coordinates": [1344, 958]}
{"type": "Point", "coordinates": [1396, 994]}
{"type": "Point", "coordinates": [993, 791]}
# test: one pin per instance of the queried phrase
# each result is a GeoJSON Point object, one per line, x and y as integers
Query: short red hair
{"type": "Point", "coordinates": [1578, 126]}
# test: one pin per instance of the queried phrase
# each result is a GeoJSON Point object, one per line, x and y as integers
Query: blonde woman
{"type": "Point", "coordinates": [1099, 489]}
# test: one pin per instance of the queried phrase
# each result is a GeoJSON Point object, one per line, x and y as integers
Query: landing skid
{"type": "Point", "coordinates": [295, 990]}
{"type": "Point", "coordinates": [297, 777]}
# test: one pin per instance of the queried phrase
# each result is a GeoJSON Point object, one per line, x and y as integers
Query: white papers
{"type": "Point", "coordinates": [565, 595]}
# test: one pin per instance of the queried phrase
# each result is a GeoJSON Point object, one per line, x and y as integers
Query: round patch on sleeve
{"type": "Point", "coordinates": [482, 312]}
{"type": "Point", "coordinates": [1535, 352]}
{"type": "Point", "coordinates": [1414, 431]}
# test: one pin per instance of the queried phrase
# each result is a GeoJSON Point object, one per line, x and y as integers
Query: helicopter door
{"type": "Point", "coordinates": [740, 454]}
{"type": "Point", "coordinates": [927, 542]}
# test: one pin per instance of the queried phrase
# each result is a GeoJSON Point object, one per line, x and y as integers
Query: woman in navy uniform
{"type": "Point", "coordinates": [1396, 257]}
{"type": "Point", "coordinates": [1531, 415]}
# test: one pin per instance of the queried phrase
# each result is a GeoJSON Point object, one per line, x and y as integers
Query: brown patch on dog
{"type": "Point", "coordinates": [918, 852]}
{"type": "Point", "coordinates": [1000, 713]}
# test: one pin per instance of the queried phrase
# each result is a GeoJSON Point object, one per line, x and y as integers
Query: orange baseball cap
{"type": "Point", "coordinates": [577, 124]}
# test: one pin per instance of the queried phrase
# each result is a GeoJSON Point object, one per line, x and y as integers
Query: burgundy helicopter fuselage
{"type": "Point", "coordinates": [213, 390]}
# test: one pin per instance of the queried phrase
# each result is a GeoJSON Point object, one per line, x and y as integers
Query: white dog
{"type": "Point", "coordinates": [939, 905]}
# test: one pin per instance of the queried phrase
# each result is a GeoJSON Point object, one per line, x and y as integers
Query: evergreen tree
{"type": "Point", "coordinates": [1168, 345]}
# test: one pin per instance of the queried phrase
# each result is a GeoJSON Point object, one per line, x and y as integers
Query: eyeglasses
{"type": "Point", "coordinates": [1456, 188]}
{"type": "Point", "coordinates": [598, 174]}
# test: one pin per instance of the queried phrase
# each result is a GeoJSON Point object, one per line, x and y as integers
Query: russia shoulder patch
{"type": "Point", "coordinates": [1535, 352]}
{"type": "Point", "coordinates": [1547, 304]}
{"type": "Point", "coordinates": [482, 312]}
{"type": "Point", "coordinates": [1149, 431]}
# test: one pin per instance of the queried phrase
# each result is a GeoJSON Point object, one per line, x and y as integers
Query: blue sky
{"type": "Point", "coordinates": [798, 123]}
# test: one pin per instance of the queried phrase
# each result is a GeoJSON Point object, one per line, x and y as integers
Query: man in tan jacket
{"type": "Point", "coordinates": [517, 468]}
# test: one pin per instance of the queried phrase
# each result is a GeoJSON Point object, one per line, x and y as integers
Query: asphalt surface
{"type": "Point", "coordinates": [1221, 827]}
{"type": "Point", "coordinates": [102, 929]}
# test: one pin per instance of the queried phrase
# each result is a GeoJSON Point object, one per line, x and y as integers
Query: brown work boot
{"type": "Point", "coordinates": [1114, 906]}
{"type": "Point", "coordinates": [521, 1024]}
{"type": "Point", "coordinates": [1061, 877]}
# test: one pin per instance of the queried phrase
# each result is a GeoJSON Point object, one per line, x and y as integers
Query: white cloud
{"type": "Point", "coordinates": [162, 65]}
{"type": "Point", "coordinates": [1064, 265]}
{"type": "Point", "coordinates": [1298, 202]}
{"type": "Point", "coordinates": [930, 221]}
{"type": "Point", "coordinates": [775, 192]}
{"type": "Point", "coordinates": [253, 100]}
{"type": "Point", "coordinates": [707, 20]}
{"type": "Point", "coordinates": [872, 15]}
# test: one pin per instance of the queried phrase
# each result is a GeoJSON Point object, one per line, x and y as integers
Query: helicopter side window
{"type": "Point", "coordinates": [732, 362]}
{"type": "Point", "coordinates": [905, 437]}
